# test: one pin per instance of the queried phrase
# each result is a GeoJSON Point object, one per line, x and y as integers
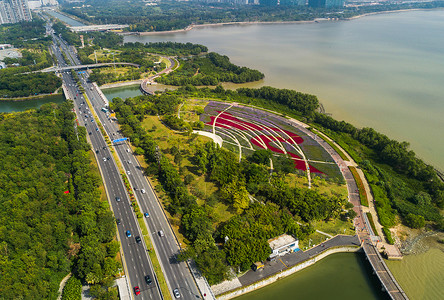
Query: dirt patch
{"type": "Point", "coordinates": [415, 241]}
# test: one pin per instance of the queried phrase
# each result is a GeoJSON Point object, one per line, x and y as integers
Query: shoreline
{"type": "Point", "coordinates": [247, 23]}
{"type": "Point", "coordinates": [242, 290]}
{"type": "Point", "coordinates": [120, 84]}
{"type": "Point", "coordinates": [20, 99]}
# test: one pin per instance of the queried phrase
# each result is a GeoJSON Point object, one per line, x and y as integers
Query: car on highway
{"type": "Point", "coordinates": [143, 191]}
{"type": "Point", "coordinates": [118, 222]}
{"type": "Point", "coordinates": [146, 215]}
{"type": "Point", "coordinates": [118, 199]}
{"type": "Point", "coordinates": [104, 159]}
{"type": "Point", "coordinates": [148, 279]}
{"type": "Point", "coordinates": [97, 151]}
{"type": "Point", "coordinates": [161, 233]}
{"type": "Point", "coordinates": [128, 233]}
{"type": "Point", "coordinates": [97, 129]}
{"type": "Point", "coordinates": [109, 158]}
{"type": "Point", "coordinates": [138, 240]}
{"type": "Point", "coordinates": [136, 290]}
{"type": "Point", "coordinates": [128, 172]}
{"type": "Point", "coordinates": [90, 133]}
{"type": "Point", "coordinates": [176, 293]}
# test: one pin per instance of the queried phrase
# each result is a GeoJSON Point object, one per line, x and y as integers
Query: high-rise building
{"type": "Point", "coordinates": [334, 3]}
{"type": "Point", "coordinates": [13, 11]}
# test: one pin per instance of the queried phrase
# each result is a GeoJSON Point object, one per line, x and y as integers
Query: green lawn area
{"type": "Point", "coordinates": [332, 227]}
{"type": "Point", "coordinates": [117, 71]}
{"type": "Point", "coordinates": [335, 227]}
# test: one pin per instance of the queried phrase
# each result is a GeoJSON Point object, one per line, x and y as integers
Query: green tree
{"type": "Point", "coordinates": [414, 221]}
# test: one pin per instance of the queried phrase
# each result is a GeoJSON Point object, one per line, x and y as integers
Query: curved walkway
{"type": "Point", "coordinates": [149, 80]}
{"type": "Point", "coordinates": [62, 285]}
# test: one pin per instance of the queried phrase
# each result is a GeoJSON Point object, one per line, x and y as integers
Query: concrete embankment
{"type": "Point", "coordinates": [120, 84]}
{"type": "Point", "coordinates": [273, 278]}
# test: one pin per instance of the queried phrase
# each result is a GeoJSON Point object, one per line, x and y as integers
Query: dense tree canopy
{"type": "Point", "coordinates": [52, 218]}
{"type": "Point", "coordinates": [209, 70]}
{"type": "Point", "coordinates": [22, 85]}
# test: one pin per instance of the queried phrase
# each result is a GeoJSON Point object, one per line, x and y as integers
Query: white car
{"type": "Point", "coordinates": [176, 293]}
{"type": "Point", "coordinates": [143, 191]}
{"type": "Point", "coordinates": [128, 172]}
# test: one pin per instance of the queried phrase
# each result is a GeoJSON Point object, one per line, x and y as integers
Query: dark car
{"type": "Point", "coordinates": [97, 151]}
{"type": "Point", "coordinates": [108, 158]}
{"type": "Point", "coordinates": [90, 133]}
{"type": "Point", "coordinates": [138, 240]}
{"type": "Point", "coordinates": [118, 222]}
{"type": "Point", "coordinates": [136, 290]}
{"type": "Point", "coordinates": [148, 279]}
{"type": "Point", "coordinates": [118, 199]}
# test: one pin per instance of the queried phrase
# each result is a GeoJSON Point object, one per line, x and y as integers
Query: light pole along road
{"type": "Point", "coordinates": [177, 274]}
{"type": "Point", "coordinates": [135, 254]}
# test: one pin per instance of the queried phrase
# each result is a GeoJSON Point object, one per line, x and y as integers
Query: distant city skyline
{"type": "Point", "coordinates": [14, 11]}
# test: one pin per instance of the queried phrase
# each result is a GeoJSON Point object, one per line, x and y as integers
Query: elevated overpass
{"type": "Point", "coordinates": [90, 66]}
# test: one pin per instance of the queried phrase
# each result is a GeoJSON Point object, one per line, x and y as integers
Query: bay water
{"type": "Point", "coordinates": [383, 71]}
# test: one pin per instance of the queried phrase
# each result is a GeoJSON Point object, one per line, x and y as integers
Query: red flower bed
{"type": "Point", "coordinates": [263, 138]}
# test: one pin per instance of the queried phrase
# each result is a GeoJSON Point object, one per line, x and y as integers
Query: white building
{"type": "Point", "coordinates": [282, 245]}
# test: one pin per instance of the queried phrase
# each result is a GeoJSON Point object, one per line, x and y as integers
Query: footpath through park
{"type": "Point", "coordinates": [364, 239]}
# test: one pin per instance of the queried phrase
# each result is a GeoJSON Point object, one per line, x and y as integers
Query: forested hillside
{"type": "Point", "coordinates": [209, 69]}
{"type": "Point", "coordinates": [52, 220]}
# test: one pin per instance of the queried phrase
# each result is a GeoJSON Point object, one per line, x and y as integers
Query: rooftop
{"type": "Point", "coordinates": [281, 241]}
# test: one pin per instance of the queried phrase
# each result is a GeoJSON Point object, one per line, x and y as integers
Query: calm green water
{"type": "Point", "coordinates": [339, 276]}
{"type": "Point", "coordinates": [64, 18]}
{"type": "Point", "coordinates": [14, 106]}
{"type": "Point", "coordinates": [132, 90]}
{"type": "Point", "coordinates": [421, 275]}
{"type": "Point", "coordinates": [383, 71]}
{"type": "Point", "coordinates": [122, 92]}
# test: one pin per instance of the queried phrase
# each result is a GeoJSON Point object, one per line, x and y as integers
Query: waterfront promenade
{"type": "Point", "coordinates": [368, 241]}
{"type": "Point", "coordinates": [364, 238]}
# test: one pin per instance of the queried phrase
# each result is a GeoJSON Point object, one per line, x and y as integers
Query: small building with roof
{"type": "Point", "coordinates": [282, 245]}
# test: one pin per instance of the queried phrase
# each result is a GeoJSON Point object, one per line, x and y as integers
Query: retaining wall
{"type": "Point", "coordinates": [291, 270]}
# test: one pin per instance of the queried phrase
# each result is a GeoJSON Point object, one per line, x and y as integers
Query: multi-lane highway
{"type": "Point", "coordinates": [135, 254]}
{"type": "Point", "coordinates": [177, 273]}
{"type": "Point", "coordinates": [138, 265]}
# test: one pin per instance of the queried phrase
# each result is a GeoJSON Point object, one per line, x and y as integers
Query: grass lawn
{"type": "Point", "coordinates": [166, 61]}
{"type": "Point", "coordinates": [335, 227]}
{"type": "Point", "coordinates": [187, 111]}
{"type": "Point", "coordinates": [314, 239]}
{"type": "Point", "coordinates": [118, 70]}
{"type": "Point", "coordinates": [95, 168]}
